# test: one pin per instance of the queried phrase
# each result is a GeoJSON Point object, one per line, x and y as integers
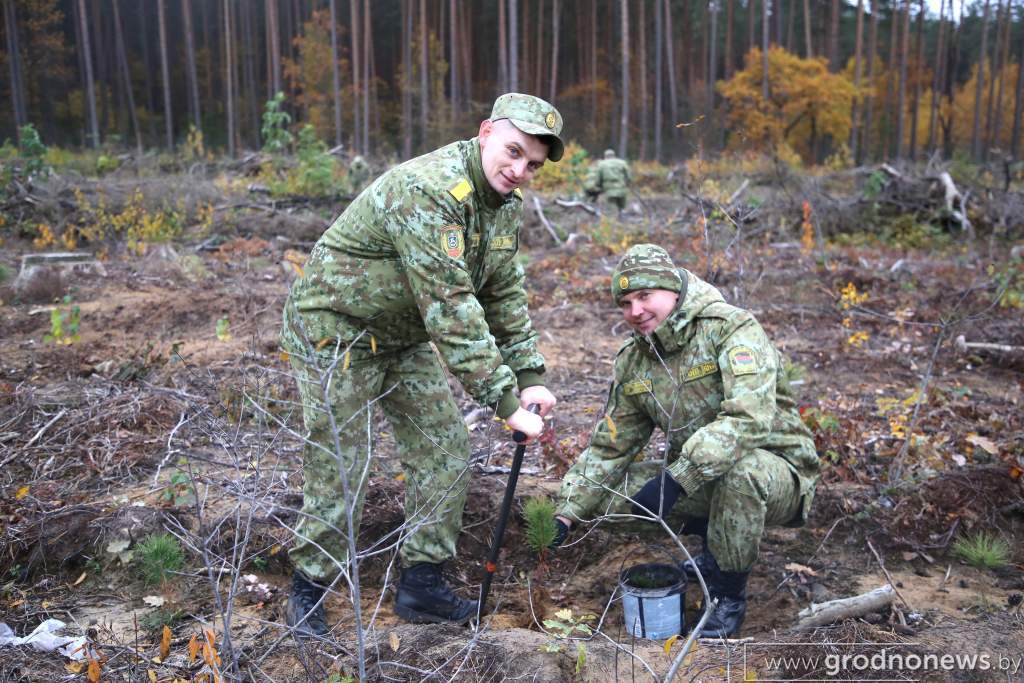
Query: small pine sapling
{"type": "Point", "coordinates": [540, 525]}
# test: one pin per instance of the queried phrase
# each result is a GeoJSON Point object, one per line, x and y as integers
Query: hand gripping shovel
{"type": "Point", "coordinates": [506, 507]}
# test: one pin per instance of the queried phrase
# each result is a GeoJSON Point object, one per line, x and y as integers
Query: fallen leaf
{"type": "Point", "coordinates": [670, 642]}
{"type": "Point", "coordinates": [985, 444]}
{"type": "Point", "coordinates": [154, 600]}
{"type": "Point", "coordinates": [75, 667]}
{"type": "Point", "coordinates": [800, 569]}
{"type": "Point", "coordinates": [93, 676]}
{"type": "Point", "coordinates": [21, 493]}
{"type": "Point", "coordinates": [80, 579]}
{"type": "Point", "coordinates": [193, 648]}
{"type": "Point", "coordinates": [394, 641]}
{"type": "Point", "coordinates": [165, 643]}
{"type": "Point", "coordinates": [151, 675]}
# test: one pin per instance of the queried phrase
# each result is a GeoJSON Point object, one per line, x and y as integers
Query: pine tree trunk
{"type": "Point", "coordinates": [642, 68]}
{"type": "Point", "coordinates": [367, 81]}
{"type": "Point", "coordinates": [335, 72]}
{"type": "Point", "coordinates": [808, 47]}
{"type": "Point", "coordinates": [407, 12]}
{"type": "Point", "coordinates": [918, 63]}
{"type": "Point", "coordinates": [165, 72]}
{"type": "Point", "coordinates": [890, 82]}
{"type": "Point", "coordinates": [937, 77]}
{"type": "Point", "coordinates": [466, 49]}
{"type": "Point", "coordinates": [712, 60]}
{"type": "Point", "coordinates": [833, 38]}
{"type": "Point", "coordinates": [248, 43]}
{"type": "Point", "coordinates": [869, 101]}
{"type": "Point", "coordinates": [453, 58]}
{"type": "Point", "coordinates": [14, 65]}
{"type": "Point", "coordinates": [122, 59]}
{"type": "Point", "coordinates": [593, 62]}
{"type": "Point", "coordinates": [765, 92]}
{"type": "Point", "coordinates": [424, 68]}
{"type": "Point", "coordinates": [90, 88]}
{"type": "Point", "coordinates": [624, 58]}
{"type": "Point", "coordinates": [1018, 107]}
{"type": "Point", "coordinates": [502, 47]}
{"type": "Point", "coordinates": [979, 88]}
{"type": "Point", "coordinates": [858, 49]}
{"type": "Point", "coordinates": [730, 56]}
{"type": "Point", "coordinates": [513, 46]}
{"type": "Point", "coordinates": [144, 39]}
{"type": "Point", "coordinates": [190, 66]}
{"type": "Point", "coordinates": [538, 42]}
{"type": "Point", "coordinates": [658, 70]}
{"type": "Point", "coordinates": [355, 31]}
{"type": "Point", "coordinates": [274, 49]}
{"type": "Point", "coordinates": [673, 93]}
{"type": "Point", "coordinates": [99, 51]}
{"type": "Point", "coordinates": [751, 17]}
{"type": "Point", "coordinates": [229, 77]}
{"type": "Point", "coordinates": [994, 118]}
{"type": "Point", "coordinates": [901, 94]}
{"type": "Point", "coordinates": [556, 16]}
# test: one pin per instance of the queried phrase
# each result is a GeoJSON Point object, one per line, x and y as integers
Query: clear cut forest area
{"type": "Point", "coordinates": [848, 172]}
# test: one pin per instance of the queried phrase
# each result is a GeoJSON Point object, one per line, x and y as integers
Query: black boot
{"type": "Point", "coordinates": [697, 527]}
{"type": "Point", "coordinates": [302, 611]}
{"type": "Point", "coordinates": [731, 590]}
{"type": "Point", "coordinates": [424, 597]}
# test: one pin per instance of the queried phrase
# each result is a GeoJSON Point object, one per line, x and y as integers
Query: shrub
{"type": "Point", "coordinates": [983, 550]}
{"type": "Point", "coordinates": [159, 556]}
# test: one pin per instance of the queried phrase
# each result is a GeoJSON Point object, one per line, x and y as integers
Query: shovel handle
{"type": "Point", "coordinates": [517, 435]}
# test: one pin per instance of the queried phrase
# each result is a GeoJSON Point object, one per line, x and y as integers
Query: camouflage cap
{"type": "Point", "coordinates": [645, 266]}
{"type": "Point", "coordinates": [609, 153]}
{"type": "Point", "coordinates": [534, 116]}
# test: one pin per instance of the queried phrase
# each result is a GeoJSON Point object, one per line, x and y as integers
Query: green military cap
{"type": "Point", "coordinates": [534, 116]}
{"type": "Point", "coordinates": [645, 266]}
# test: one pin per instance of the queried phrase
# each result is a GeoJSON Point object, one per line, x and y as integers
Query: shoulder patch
{"type": "Point", "coordinates": [461, 190]}
{"type": "Point", "coordinates": [742, 361]}
{"type": "Point", "coordinates": [517, 192]}
{"type": "Point", "coordinates": [453, 241]}
{"type": "Point", "coordinates": [639, 386]}
{"type": "Point", "coordinates": [701, 370]}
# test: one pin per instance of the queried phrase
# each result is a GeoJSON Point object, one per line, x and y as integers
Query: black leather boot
{"type": "Point", "coordinates": [731, 590]}
{"type": "Point", "coordinates": [424, 597]}
{"type": "Point", "coordinates": [302, 611]}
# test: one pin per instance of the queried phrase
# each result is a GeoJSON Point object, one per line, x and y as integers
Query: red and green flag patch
{"type": "Point", "coordinates": [742, 361]}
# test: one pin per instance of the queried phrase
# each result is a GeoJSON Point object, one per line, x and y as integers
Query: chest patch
{"type": "Point", "coordinates": [452, 240]}
{"type": "Point", "coordinates": [503, 242]}
{"type": "Point", "coordinates": [742, 361]}
{"type": "Point", "coordinates": [639, 386]}
{"type": "Point", "coordinates": [701, 370]}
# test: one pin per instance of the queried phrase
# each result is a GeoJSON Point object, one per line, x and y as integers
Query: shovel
{"type": "Point", "coordinates": [491, 565]}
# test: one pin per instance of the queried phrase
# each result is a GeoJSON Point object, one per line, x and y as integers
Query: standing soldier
{"type": "Point", "coordinates": [739, 458]}
{"type": "Point", "coordinates": [614, 178]}
{"type": "Point", "coordinates": [428, 255]}
{"type": "Point", "coordinates": [358, 174]}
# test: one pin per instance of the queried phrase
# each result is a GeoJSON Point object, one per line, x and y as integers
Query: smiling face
{"type": "Point", "coordinates": [645, 309]}
{"type": "Point", "coordinates": [510, 157]}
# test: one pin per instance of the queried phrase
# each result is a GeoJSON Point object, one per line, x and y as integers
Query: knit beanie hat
{"type": "Point", "coordinates": [645, 266]}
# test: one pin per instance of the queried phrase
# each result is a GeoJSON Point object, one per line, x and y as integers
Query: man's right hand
{"type": "Point", "coordinates": [526, 422]}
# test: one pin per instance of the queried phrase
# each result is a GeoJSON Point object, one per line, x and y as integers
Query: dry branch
{"type": "Point", "coordinates": [845, 608]}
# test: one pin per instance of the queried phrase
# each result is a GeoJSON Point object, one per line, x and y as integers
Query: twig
{"type": "Point", "coordinates": [46, 426]}
{"type": "Point", "coordinates": [888, 577]}
{"type": "Point", "coordinates": [544, 221]}
{"type": "Point", "coordinates": [578, 205]}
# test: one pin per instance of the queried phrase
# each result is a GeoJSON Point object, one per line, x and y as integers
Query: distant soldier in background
{"type": "Point", "coordinates": [358, 174]}
{"type": "Point", "coordinates": [614, 178]}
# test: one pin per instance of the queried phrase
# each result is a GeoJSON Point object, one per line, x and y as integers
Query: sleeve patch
{"type": "Point", "coordinates": [453, 241]}
{"type": "Point", "coordinates": [640, 386]}
{"type": "Point", "coordinates": [461, 190]}
{"type": "Point", "coordinates": [742, 361]}
{"type": "Point", "coordinates": [517, 192]}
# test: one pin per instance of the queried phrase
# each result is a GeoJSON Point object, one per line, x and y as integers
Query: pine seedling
{"type": "Point", "coordinates": [540, 523]}
{"type": "Point", "coordinates": [983, 550]}
{"type": "Point", "coordinates": [159, 556]}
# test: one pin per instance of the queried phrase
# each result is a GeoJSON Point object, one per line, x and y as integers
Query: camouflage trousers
{"type": "Point", "coordinates": [616, 199]}
{"type": "Point", "coordinates": [759, 490]}
{"type": "Point", "coordinates": [433, 446]}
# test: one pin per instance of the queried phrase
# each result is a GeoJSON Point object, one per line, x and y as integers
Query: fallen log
{"type": "Point", "coordinates": [845, 608]}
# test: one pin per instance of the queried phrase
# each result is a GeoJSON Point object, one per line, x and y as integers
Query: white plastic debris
{"type": "Point", "coordinates": [45, 638]}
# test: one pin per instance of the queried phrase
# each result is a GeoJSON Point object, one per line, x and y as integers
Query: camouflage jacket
{"type": "Point", "coordinates": [426, 253]}
{"type": "Point", "coordinates": [613, 176]}
{"type": "Point", "coordinates": [713, 383]}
